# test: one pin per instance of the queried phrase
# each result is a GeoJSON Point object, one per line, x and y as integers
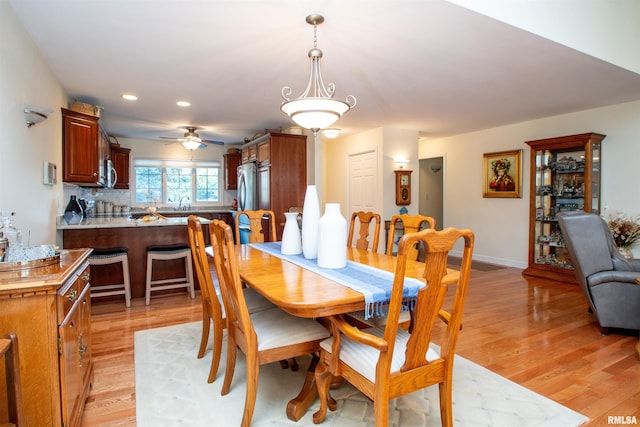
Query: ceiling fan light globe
{"type": "Point", "coordinates": [191, 144]}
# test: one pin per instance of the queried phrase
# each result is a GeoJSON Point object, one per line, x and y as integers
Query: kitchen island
{"type": "Point", "coordinates": [135, 235]}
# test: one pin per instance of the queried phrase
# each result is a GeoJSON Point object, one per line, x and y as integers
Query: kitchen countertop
{"type": "Point", "coordinates": [190, 211]}
{"type": "Point", "coordinates": [124, 222]}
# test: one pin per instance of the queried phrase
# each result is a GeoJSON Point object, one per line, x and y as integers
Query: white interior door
{"type": "Point", "coordinates": [363, 183]}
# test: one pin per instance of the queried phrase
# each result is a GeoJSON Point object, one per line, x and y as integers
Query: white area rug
{"type": "Point", "coordinates": [172, 390]}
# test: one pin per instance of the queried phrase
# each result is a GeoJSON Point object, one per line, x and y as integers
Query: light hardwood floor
{"type": "Point", "coordinates": [533, 331]}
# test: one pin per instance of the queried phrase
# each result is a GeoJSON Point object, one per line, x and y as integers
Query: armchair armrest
{"type": "Point", "coordinates": [613, 276]}
{"type": "Point", "coordinates": [358, 335]}
{"type": "Point", "coordinates": [635, 263]}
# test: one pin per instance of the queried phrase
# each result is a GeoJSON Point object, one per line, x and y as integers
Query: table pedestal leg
{"type": "Point", "coordinates": [298, 406]}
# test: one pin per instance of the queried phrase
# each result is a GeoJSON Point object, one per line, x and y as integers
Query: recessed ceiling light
{"type": "Point", "coordinates": [183, 103]}
{"type": "Point", "coordinates": [129, 97]}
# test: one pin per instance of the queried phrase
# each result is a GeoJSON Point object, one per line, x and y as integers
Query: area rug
{"type": "Point", "coordinates": [172, 390]}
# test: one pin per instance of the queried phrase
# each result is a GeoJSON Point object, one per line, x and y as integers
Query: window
{"type": "Point", "coordinates": [170, 182]}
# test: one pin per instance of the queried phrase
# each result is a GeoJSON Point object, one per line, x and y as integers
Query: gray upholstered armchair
{"type": "Point", "coordinates": [611, 283]}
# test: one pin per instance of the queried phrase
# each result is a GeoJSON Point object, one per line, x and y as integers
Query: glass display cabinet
{"type": "Point", "coordinates": [565, 176]}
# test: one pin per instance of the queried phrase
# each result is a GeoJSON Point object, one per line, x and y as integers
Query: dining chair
{"type": "Point", "coordinates": [257, 232]}
{"type": "Point", "coordinates": [410, 224]}
{"type": "Point", "coordinates": [364, 218]}
{"type": "Point", "coordinates": [212, 309]}
{"type": "Point", "coordinates": [264, 337]}
{"type": "Point", "coordinates": [388, 362]}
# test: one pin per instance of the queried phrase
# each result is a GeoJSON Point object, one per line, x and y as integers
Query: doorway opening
{"type": "Point", "coordinates": [431, 189]}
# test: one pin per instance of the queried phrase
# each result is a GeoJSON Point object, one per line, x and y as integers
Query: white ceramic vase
{"type": "Point", "coordinates": [332, 241]}
{"type": "Point", "coordinates": [291, 243]}
{"type": "Point", "coordinates": [310, 221]}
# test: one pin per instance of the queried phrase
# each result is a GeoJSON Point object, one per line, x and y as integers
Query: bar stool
{"type": "Point", "coordinates": [107, 257]}
{"type": "Point", "coordinates": [166, 253]}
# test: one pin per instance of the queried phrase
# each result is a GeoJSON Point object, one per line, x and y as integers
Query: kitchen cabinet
{"type": "Point", "coordinates": [231, 163]}
{"type": "Point", "coordinates": [281, 174]}
{"type": "Point", "coordinates": [249, 153]}
{"type": "Point", "coordinates": [121, 158]}
{"type": "Point", "coordinates": [85, 147]}
{"type": "Point", "coordinates": [565, 176]}
{"type": "Point", "coordinates": [49, 309]}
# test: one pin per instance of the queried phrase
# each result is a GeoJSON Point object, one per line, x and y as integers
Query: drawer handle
{"type": "Point", "coordinates": [73, 295]}
{"type": "Point", "coordinates": [86, 276]}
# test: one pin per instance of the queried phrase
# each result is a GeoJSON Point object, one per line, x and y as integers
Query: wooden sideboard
{"type": "Point", "coordinates": [49, 309]}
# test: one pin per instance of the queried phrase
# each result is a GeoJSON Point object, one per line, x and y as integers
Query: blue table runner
{"type": "Point", "coordinates": [373, 283]}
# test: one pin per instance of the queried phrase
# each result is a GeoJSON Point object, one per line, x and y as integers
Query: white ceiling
{"type": "Point", "coordinates": [425, 65]}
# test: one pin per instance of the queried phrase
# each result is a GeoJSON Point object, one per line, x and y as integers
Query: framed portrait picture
{"type": "Point", "coordinates": [502, 174]}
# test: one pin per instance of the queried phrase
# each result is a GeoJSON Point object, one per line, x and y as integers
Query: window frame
{"type": "Point", "coordinates": [164, 164]}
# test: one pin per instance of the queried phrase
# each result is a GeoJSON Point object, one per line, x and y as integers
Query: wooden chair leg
{"type": "Point", "coordinates": [204, 339]}
{"type": "Point", "coordinates": [253, 370]}
{"type": "Point", "coordinates": [217, 350]}
{"type": "Point", "coordinates": [323, 381]}
{"type": "Point", "coordinates": [446, 406]}
{"type": "Point", "coordinates": [231, 365]}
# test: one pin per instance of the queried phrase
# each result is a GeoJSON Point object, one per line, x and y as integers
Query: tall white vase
{"type": "Point", "coordinates": [332, 241]}
{"type": "Point", "coordinates": [291, 244]}
{"type": "Point", "coordinates": [310, 221]}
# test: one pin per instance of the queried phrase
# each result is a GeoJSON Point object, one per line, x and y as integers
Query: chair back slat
{"type": "Point", "coordinates": [199, 255]}
{"type": "Point", "coordinates": [410, 224]}
{"type": "Point", "coordinates": [256, 219]}
{"type": "Point", "coordinates": [226, 265]}
{"type": "Point", "coordinates": [365, 219]}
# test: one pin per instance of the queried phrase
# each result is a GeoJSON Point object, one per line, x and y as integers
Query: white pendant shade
{"type": "Point", "coordinates": [315, 109]}
{"type": "Point", "coordinates": [315, 113]}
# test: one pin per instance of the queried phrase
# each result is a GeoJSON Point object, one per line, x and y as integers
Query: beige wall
{"type": "Point", "coordinates": [25, 78]}
{"type": "Point", "coordinates": [501, 225]}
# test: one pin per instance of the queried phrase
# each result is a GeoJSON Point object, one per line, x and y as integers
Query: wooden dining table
{"type": "Point", "coordinates": [304, 293]}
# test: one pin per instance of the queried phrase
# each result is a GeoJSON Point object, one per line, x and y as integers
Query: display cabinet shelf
{"type": "Point", "coordinates": [565, 176]}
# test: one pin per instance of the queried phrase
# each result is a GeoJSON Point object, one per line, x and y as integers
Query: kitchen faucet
{"type": "Point", "coordinates": [185, 207]}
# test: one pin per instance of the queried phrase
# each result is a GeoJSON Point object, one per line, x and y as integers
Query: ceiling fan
{"type": "Point", "coordinates": [192, 140]}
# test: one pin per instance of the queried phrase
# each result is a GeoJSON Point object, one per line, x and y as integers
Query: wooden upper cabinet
{"type": "Point", "coordinates": [231, 163]}
{"type": "Point", "coordinates": [121, 161]}
{"type": "Point", "coordinates": [84, 149]}
{"type": "Point", "coordinates": [282, 173]}
{"type": "Point", "coordinates": [264, 152]}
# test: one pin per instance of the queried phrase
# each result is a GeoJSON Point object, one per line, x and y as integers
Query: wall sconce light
{"type": "Point", "coordinates": [401, 163]}
{"type": "Point", "coordinates": [331, 132]}
{"type": "Point", "coordinates": [34, 115]}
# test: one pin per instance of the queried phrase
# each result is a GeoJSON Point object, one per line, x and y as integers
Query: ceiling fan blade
{"type": "Point", "coordinates": [167, 137]}
{"type": "Point", "coordinates": [210, 141]}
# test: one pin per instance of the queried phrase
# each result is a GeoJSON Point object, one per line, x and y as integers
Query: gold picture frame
{"type": "Point", "coordinates": [502, 174]}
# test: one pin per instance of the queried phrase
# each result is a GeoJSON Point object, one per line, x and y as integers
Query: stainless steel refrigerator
{"type": "Point", "coordinates": [247, 196]}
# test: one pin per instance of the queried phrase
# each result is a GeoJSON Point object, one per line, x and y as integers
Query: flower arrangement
{"type": "Point", "coordinates": [625, 231]}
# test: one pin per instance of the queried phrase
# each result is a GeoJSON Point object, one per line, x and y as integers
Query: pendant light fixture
{"type": "Point", "coordinates": [315, 109]}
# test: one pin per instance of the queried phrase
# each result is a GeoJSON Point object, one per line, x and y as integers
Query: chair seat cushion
{"type": "Point", "coordinates": [405, 316]}
{"type": "Point", "coordinates": [168, 249]}
{"type": "Point", "coordinates": [275, 329]}
{"type": "Point", "coordinates": [108, 253]}
{"type": "Point", "coordinates": [363, 358]}
{"type": "Point", "coordinates": [255, 301]}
